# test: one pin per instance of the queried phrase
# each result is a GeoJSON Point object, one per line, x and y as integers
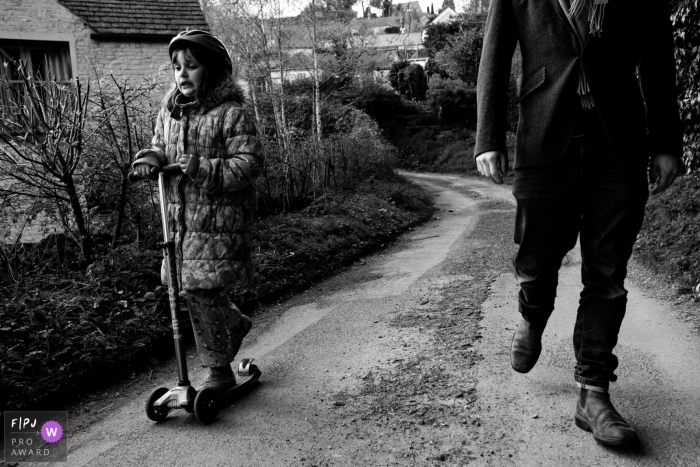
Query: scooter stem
{"type": "Point", "coordinates": [173, 286]}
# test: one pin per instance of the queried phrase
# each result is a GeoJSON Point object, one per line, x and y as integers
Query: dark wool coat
{"type": "Point", "coordinates": [640, 115]}
{"type": "Point", "coordinates": [211, 210]}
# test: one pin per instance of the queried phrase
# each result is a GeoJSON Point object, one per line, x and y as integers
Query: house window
{"type": "Point", "coordinates": [46, 60]}
{"type": "Point", "coordinates": [43, 60]}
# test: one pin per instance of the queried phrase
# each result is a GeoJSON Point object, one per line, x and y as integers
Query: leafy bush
{"type": "Point", "coordinates": [395, 78]}
{"type": "Point", "coordinates": [416, 82]}
{"type": "Point", "coordinates": [409, 80]}
{"type": "Point", "coordinates": [686, 25]}
{"type": "Point", "coordinates": [380, 102]}
{"type": "Point", "coordinates": [456, 47]}
{"type": "Point", "coordinates": [460, 58]}
{"type": "Point", "coordinates": [452, 99]}
{"type": "Point", "coordinates": [438, 36]}
{"type": "Point", "coordinates": [392, 30]}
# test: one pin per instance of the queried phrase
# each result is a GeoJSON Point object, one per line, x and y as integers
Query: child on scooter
{"type": "Point", "coordinates": [203, 128]}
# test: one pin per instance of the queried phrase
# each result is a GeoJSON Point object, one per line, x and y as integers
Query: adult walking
{"type": "Point", "coordinates": [597, 110]}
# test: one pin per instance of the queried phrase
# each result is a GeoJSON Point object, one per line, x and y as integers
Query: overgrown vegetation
{"type": "Point", "coordinates": [686, 24]}
{"type": "Point", "coordinates": [669, 242]}
{"type": "Point", "coordinates": [435, 131]}
{"type": "Point", "coordinates": [65, 153]}
{"type": "Point", "coordinates": [409, 80]}
{"type": "Point", "coordinates": [455, 47]}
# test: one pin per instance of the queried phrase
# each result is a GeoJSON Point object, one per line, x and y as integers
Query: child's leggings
{"type": "Point", "coordinates": [219, 326]}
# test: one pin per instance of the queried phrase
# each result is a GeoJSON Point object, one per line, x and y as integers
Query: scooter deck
{"type": "Point", "coordinates": [247, 376]}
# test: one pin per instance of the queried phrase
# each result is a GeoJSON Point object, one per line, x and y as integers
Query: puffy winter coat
{"type": "Point", "coordinates": [210, 208]}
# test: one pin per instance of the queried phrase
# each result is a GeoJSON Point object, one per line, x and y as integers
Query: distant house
{"type": "Point", "coordinates": [415, 6]}
{"type": "Point", "coordinates": [446, 16]}
{"type": "Point", "coordinates": [65, 38]}
{"type": "Point", "coordinates": [412, 6]}
{"type": "Point", "coordinates": [403, 46]}
{"type": "Point", "coordinates": [375, 25]}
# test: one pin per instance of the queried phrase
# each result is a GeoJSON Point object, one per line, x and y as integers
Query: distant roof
{"type": "Point", "coordinates": [156, 19]}
{"type": "Point", "coordinates": [445, 16]}
{"type": "Point", "coordinates": [381, 41]}
{"type": "Point", "coordinates": [416, 6]}
{"type": "Point", "coordinates": [375, 22]}
{"type": "Point", "coordinates": [300, 36]}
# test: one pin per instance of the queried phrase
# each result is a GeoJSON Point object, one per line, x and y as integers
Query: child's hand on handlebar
{"type": "Point", "coordinates": [146, 171]}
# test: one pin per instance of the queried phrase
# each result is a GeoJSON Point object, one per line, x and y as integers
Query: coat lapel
{"type": "Point", "coordinates": [565, 18]}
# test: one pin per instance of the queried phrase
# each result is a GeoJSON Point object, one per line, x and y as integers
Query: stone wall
{"type": "Point", "coordinates": [49, 20]}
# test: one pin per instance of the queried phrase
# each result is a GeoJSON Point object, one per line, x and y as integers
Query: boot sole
{"type": "Point", "coordinates": [583, 424]}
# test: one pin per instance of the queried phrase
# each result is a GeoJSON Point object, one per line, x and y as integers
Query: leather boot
{"type": "Point", "coordinates": [595, 413]}
{"type": "Point", "coordinates": [220, 379]}
{"type": "Point", "coordinates": [526, 346]}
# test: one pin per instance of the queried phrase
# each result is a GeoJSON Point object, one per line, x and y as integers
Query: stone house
{"type": "Point", "coordinates": [65, 38]}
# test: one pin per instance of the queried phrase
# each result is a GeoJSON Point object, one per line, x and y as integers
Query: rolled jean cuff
{"type": "Point", "coordinates": [533, 315]}
{"type": "Point", "coordinates": [585, 383]}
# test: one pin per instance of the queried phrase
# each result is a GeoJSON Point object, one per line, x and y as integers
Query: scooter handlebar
{"type": "Point", "coordinates": [134, 177]}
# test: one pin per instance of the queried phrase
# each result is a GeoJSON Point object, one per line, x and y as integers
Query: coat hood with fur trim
{"type": "Point", "coordinates": [230, 90]}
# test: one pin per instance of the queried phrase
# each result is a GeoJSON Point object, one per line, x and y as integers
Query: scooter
{"type": "Point", "coordinates": [205, 403]}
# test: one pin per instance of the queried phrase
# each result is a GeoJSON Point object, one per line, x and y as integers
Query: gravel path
{"type": "Point", "coordinates": [403, 360]}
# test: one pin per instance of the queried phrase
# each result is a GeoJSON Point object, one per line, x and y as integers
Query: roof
{"type": "Point", "coordinates": [375, 22]}
{"type": "Point", "coordinates": [416, 6]}
{"type": "Point", "coordinates": [144, 18]}
{"type": "Point", "coordinates": [445, 16]}
{"type": "Point", "coordinates": [382, 41]}
{"type": "Point", "coordinates": [300, 37]}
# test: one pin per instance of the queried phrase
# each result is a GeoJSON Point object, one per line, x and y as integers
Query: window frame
{"type": "Point", "coordinates": [24, 39]}
{"type": "Point", "coordinates": [46, 37]}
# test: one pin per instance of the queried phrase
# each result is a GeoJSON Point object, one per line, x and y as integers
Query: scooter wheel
{"type": "Point", "coordinates": [206, 406]}
{"type": "Point", "coordinates": [156, 414]}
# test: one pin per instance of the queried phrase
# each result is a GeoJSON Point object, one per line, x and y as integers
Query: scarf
{"type": "Point", "coordinates": [596, 13]}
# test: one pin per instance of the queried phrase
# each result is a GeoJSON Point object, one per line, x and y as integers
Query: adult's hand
{"type": "Point", "coordinates": [493, 164]}
{"type": "Point", "coordinates": [663, 170]}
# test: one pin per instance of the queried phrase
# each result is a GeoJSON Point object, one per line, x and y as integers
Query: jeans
{"type": "Point", "coordinates": [596, 192]}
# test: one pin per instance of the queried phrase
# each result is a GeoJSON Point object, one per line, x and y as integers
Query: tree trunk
{"type": "Point", "coordinates": [121, 207]}
{"type": "Point", "coordinates": [317, 90]}
{"type": "Point", "coordinates": [254, 98]}
{"type": "Point", "coordinates": [85, 240]}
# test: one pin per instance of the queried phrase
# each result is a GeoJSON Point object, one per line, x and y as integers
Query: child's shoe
{"type": "Point", "coordinates": [220, 379]}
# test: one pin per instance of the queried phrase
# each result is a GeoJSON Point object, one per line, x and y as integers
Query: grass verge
{"type": "Point", "coordinates": [62, 330]}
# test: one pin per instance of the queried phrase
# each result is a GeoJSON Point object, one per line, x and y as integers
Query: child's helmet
{"type": "Point", "coordinates": [204, 40]}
